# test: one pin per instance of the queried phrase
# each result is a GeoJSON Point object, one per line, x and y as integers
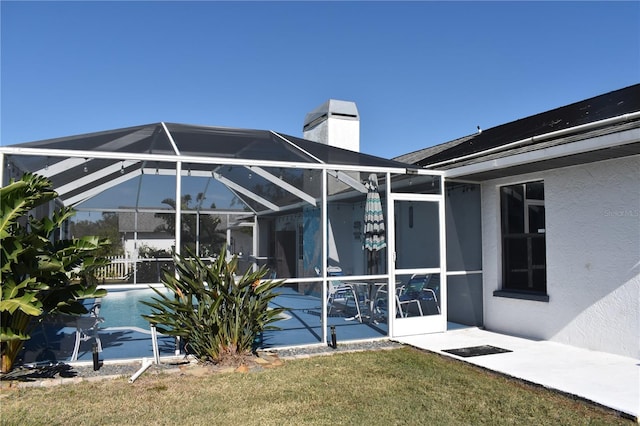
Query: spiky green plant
{"type": "Point", "coordinates": [36, 270]}
{"type": "Point", "coordinates": [218, 314]}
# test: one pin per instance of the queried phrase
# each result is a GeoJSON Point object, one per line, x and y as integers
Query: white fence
{"type": "Point", "coordinates": [119, 268]}
{"type": "Point", "coordinates": [140, 270]}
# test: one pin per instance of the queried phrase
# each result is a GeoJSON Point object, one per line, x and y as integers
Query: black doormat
{"type": "Point", "coordinates": [476, 351]}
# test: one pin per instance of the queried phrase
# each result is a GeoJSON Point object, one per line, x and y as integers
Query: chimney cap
{"type": "Point", "coordinates": [333, 108]}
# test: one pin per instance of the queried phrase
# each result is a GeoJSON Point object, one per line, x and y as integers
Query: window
{"type": "Point", "coordinates": [524, 269]}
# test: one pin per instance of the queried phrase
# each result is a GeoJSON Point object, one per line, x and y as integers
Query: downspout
{"type": "Point", "coordinates": [538, 138]}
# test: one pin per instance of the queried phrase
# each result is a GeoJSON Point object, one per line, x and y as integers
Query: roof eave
{"type": "Point", "coordinates": [536, 158]}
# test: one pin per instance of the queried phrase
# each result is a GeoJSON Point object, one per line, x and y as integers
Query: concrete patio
{"type": "Point", "coordinates": [609, 380]}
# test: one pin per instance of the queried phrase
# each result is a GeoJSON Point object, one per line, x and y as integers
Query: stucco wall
{"type": "Point", "coordinates": [593, 259]}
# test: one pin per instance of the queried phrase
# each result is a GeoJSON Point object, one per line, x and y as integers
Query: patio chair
{"type": "Point", "coordinates": [380, 300]}
{"type": "Point", "coordinates": [419, 296]}
{"type": "Point", "coordinates": [431, 294]}
{"type": "Point", "coordinates": [340, 294]}
{"type": "Point", "coordinates": [86, 329]}
{"type": "Point", "coordinates": [404, 303]}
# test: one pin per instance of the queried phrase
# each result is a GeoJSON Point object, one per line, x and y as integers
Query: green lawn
{"type": "Point", "coordinates": [392, 387]}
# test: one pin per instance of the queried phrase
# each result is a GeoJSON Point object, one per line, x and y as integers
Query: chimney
{"type": "Point", "coordinates": [334, 123]}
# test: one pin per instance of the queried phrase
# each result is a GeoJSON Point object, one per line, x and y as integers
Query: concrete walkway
{"type": "Point", "coordinates": [609, 380]}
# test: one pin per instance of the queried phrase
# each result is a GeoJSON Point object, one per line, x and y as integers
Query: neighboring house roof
{"type": "Point", "coordinates": [146, 222]}
{"type": "Point", "coordinates": [603, 127]}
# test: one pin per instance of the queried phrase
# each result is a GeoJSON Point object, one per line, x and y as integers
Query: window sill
{"type": "Point", "coordinates": [510, 294]}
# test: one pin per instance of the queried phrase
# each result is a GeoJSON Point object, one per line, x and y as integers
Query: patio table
{"type": "Point", "coordinates": [370, 291]}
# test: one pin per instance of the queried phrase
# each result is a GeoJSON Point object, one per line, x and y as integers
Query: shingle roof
{"type": "Point", "coordinates": [612, 104]}
{"type": "Point", "coordinates": [419, 155]}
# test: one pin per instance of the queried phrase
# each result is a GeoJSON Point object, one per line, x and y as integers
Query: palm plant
{"type": "Point", "coordinates": [218, 315]}
{"type": "Point", "coordinates": [36, 269]}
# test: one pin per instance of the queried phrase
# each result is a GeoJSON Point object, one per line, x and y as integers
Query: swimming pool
{"type": "Point", "coordinates": [122, 308]}
{"type": "Point", "coordinates": [124, 334]}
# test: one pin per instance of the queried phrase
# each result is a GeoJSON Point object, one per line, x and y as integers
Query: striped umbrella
{"type": "Point", "coordinates": [374, 238]}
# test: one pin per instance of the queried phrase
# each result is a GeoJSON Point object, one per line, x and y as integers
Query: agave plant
{"type": "Point", "coordinates": [36, 270]}
{"type": "Point", "coordinates": [217, 314]}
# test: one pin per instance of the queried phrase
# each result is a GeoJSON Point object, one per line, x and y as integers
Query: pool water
{"type": "Point", "coordinates": [122, 308]}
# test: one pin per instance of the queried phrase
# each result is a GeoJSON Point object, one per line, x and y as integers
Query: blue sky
{"type": "Point", "coordinates": [421, 73]}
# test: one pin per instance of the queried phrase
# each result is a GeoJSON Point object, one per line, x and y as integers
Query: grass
{"type": "Point", "coordinates": [395, 387]}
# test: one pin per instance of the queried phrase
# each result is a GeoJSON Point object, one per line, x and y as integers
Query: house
{"type": "Point", "coordinates": [149, 230]}
{"type": "Point", "coordinates": [543, 224]}
{"type": "Point", "coordinates": [143, 230]}
{"type": "Point", "coordinates": [530, 228]}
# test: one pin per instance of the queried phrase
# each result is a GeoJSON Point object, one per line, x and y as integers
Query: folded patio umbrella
{"type": "Point", "coordinates": [374, 233]}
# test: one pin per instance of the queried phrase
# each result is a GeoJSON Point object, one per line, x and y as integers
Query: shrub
{"type": "Point", "coordinates": [218, 315]}
{"type": "Point", "coordinates": [36, 268]}
{"type": "Point", "coordinates": [152, 262]}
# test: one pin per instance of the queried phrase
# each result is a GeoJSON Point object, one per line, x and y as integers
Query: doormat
{"type": "Point", "coordinates": [477, 351]}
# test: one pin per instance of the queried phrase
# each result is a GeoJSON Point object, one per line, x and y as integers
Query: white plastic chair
{"type": "Point", "coordinates": [403, 305]}
{"type": "Point", "coordinates": [87, 328]}
{"type": "Point", "coordinates": [339, 293]}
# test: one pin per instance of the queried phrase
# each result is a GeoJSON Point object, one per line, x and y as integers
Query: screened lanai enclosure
{"type": "Point", "coordinates": [359, 240]}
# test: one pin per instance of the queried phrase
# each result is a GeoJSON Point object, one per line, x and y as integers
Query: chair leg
{"type": "Point", "coordinates": [399, 305]}
{"type": "Point", "coordinates": [76, 347]}
{"type": "Point", "coordinates": [330, 303]}
{"type": "Point", "coordinates": [355, 300]}
{"type": "Point", "coordinates": [98, 341]}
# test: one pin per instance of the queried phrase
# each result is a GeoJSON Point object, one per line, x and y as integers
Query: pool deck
{"type": "Point", "coordinates": [612, 381]}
